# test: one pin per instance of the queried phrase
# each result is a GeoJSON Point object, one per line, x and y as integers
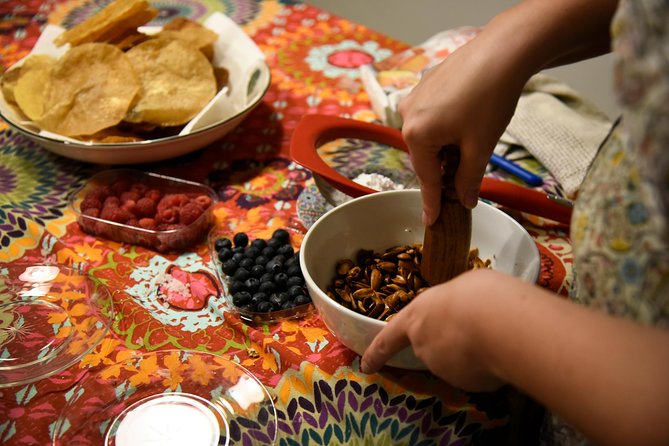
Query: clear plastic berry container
{"type": "Point", "coordinates": [185, 209]}
{"type": "Point", "coordinates": [285, 298]}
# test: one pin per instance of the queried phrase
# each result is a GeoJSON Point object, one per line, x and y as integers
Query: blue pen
{"type": "Point", "coordinates": [513, 168]}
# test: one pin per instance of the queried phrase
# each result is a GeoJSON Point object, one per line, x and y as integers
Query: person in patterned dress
{"type": "Point", "coordinates": [599, 362]}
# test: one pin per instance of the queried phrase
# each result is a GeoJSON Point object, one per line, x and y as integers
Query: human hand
{"type": "Point", "coordinates": [443, 325]}
{"type": "Point", "coordinates": [467, 101]}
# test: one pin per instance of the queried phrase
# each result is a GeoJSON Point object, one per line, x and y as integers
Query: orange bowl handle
{"type": "Point", "coordinates": [315, 130]}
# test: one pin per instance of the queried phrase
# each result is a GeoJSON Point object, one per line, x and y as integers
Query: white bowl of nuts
{"type": "Point", "coordinates": [361, 262]}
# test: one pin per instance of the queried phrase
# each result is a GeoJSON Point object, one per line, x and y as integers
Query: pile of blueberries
{"type": "Point", "coordinates": [263, 275]}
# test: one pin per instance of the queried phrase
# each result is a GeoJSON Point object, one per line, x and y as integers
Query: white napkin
{"type": "Point", "coordinates": [559, 128]}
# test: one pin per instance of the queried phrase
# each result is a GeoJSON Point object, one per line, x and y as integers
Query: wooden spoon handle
{"type": "Point", "coordinates": [446, 242]}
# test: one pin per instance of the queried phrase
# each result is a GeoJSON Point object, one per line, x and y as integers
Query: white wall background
{"type": "Point", "coordinates": [413, 21]}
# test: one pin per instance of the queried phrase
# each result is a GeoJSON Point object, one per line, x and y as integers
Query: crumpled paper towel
{"type": "Point", "coordinates": [560, 128]}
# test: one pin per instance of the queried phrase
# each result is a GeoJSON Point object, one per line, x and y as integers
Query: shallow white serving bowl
{"type": "Point", "coordinates": [249, 80]}
{"type": "Point", "coordinates": [385, 219]}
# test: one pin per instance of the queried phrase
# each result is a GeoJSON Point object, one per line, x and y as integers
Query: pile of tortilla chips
{"type": "Point", "coordinates": [116, 84]}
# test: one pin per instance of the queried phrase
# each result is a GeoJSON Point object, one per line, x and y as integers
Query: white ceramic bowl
{"type": "Point", "coordinates": [385, 219]}
{"type": "Point", "coordinates": [249, 80]}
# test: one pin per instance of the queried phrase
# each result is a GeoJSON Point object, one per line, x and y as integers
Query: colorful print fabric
{"type": "Point", "coordinates": [320, 395]}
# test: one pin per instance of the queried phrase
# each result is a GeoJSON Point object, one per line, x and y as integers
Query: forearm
{"type": "Point", "coordinates": [608, 377]}
{"type": "Point", "coordinates": [537, 34]}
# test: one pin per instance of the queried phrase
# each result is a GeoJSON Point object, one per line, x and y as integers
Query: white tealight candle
{"type": "Point", "coordinates": [166, 420]}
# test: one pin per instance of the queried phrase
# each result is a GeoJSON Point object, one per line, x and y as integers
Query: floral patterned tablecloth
{"type": "Point", "coordinates": [320, 395]}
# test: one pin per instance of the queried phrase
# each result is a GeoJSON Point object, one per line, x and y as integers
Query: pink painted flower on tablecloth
{"type": "Point", "coordinates": [345, 57]}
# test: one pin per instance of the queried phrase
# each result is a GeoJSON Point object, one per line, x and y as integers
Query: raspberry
{"type": "Point", "coordinates": [116, 214]}
{"type": "Point", "coordinates": [172, 200]}
{"type": "Point", "coordinates": [120, 186]}
{"type": "Point", "coordinates": [170, 215]}
{"type": "Point", "coordinates": [134, 196]}
{"type": "Point", "coordinates": [154, 195]}
{"type": "Point", "coordinates": [147, 223]}
{"type": "Point", "coordinates": [91, 212]}
{"type": "Point", "coordinates": [111, 202]}
{"type": "Point", "coordinates": [100, 193]}
{"type": "Point", "coordinates": [91, 202]}
{"type": "Point", "coordinates": [132, 222]}
{"type": "Point", "coordinates": [145, 207]}
{"type": "Point", "coordinates": [189, 213]}
{"type": "Point", "coordinates": [203, 201]}
{"type": "Point", "coordinates": [129, 205]}
{"type": "Point", "coordinates": [139, 188]}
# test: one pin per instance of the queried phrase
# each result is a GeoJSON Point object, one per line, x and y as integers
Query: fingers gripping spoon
{"type": "Point", "coordinates": [446, 241]}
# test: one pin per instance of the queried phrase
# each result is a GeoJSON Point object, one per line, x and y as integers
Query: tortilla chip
{"type": "Point", "coordinates": [177, 82]}
{"type": "Point", "coordinates": [92, 87]}
{"type": "Point", "coordinates": [114, 18]}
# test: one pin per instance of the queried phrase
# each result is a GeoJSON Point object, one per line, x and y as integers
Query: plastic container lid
{"type": "Point", "coordinates": [50, 317]}
{"type": "Point", "coordinates": [170, 397]}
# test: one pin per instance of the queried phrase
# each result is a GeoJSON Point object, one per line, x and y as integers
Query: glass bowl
{"type": "Point", "coordinates": [170, 397]}
{"type": "Point", "coordinates": [50, 318]}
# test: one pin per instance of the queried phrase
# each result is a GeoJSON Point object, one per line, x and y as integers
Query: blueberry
{"type": "Point", "coordinates": [275, 243]}
{"type": "Point", "coordinates": [267, 277]}
{"type": "Point", "coordinates": [241, 274]}
{"type": "Point", "coordinates": [237, 257]}
{"type": "Point", "coordinates": [221, 243]}
{"type": "Point", "coordinates": [257, 271]}
{"type": "Point", "coordinates": [294, 281]}
{"type": "Point", "coordinates": [295, 291]}
{"type": "Point", "coordinates": [288, 305]}
{"type": "Point", "coordinates": [267, 287]}
{"type": "Point", "coordinates": [274, 266]}
{"type": "Point", "coordinates": [236, 286]}
{"type": "Point", "coordinates": [229, 267]}
{"type": "Point", "coordinates": [293, 270]}
{"type": "Point", "coordinates": [281, 279]}
{"type": "Point", "coordinates": [259, 244]}
{"type": "Point", "coordinates": [281, 235]}
{"type": "Point", "coordinates": [259, 297]}
{"type": "Point", "coordinates": [294, 260]}
{"type": "Point", "coordinates": [277, 299]}
{"type": "Point", "coordinates": [246, 263]}
{"type": "Point", "coordinates": [248, 307]}
{"type": "Point", "coordinates": [251, 252]}
{"type": "Point", "coordinates": [238, 249]}
{"type": "Point", "coordinates": [224, 254]}
{"type": "Point", "coordinates": [268, 252]}
{"type": "Point", "coordinates": [265, 307]}
{"type": "Point", "coordinates": [241, 298]}
{"type": "Point", "coordinates": [252, 284]}
{"type": "Point", "coordinates": [261, 260]}
{"type": "Point", "coordinates": [241, 239]}
{"type": "Point", "coordinates": [279, 258]}
{"type": "Point", "coordinates": [286, 250]}
{"type": "Point", "coordinates": [301, 299]}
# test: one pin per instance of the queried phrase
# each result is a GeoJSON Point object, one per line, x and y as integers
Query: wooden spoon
{"type": "Point", "coordinates": [446, 241]}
